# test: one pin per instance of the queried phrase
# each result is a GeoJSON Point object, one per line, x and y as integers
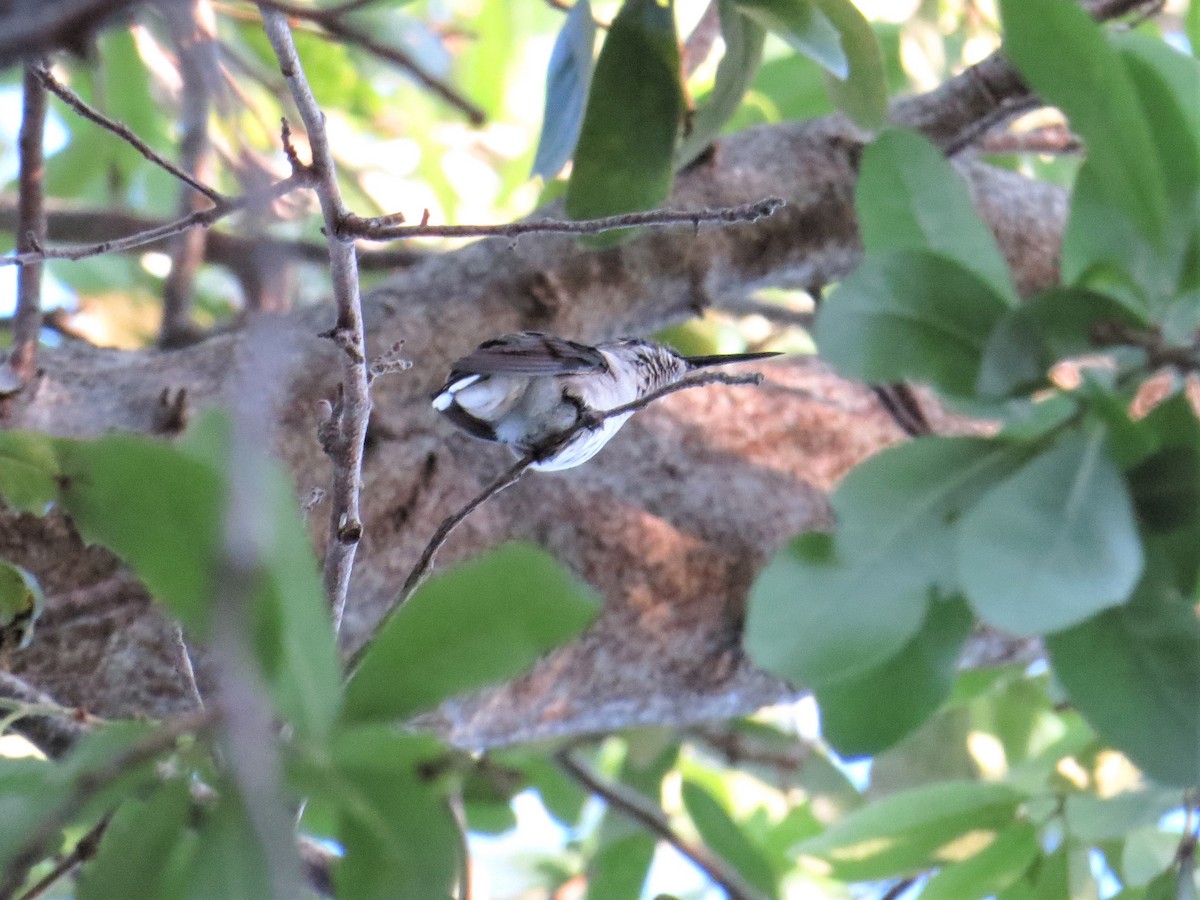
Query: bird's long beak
{"type": "Point", "coordinates": [699, 362]}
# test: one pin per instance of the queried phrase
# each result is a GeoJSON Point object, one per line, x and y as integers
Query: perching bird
{"type": "Point", "coordinates": [525, 389]}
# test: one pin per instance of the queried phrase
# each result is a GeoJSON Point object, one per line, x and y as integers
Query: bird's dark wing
{"type": "Point", "coordinates": [529, 353]}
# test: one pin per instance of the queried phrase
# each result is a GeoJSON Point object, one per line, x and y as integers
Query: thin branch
{"type": "Point", "coordinates": [31, 227]}
{"type": "Point", "coordinates": [894, 891]}
{"type": "Point", "coordinates": [346, 435]}
{"type": "Point", "coordinates": [634, 806]}
{"type": "Point", "coordinates": [77, 103]}
{"type": "Point", "coordinates": [84, 849]}
{"type": "Point", "coordinates": [385, 229]}
{"type": "Point", "coordinates": [201, 219]}
{"type": "Point", "coordinates": [88, 785]}
{"type": "Point", "coordinates": [331, 21]}
{"type": "Point", "coordinates": [513, 474]}
{"type": "Point", "coordinates": [79, 224]}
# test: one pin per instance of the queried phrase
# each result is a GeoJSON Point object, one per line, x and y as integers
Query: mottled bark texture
{"type": "Point", "coordinates": [671, 522]}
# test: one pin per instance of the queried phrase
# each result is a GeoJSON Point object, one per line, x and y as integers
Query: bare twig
{"type": "Point", "coordinates": [640, 810]}
{"type": "Point", "coordinates": [31, 227]}
{"type": "Point", "coordinates": [348, 433]}
{"type": "Point", "coordinates": [384, 229]}
{"type": "Point", "coordinates": [88, 785]}
{"type": "Point", "coordinates": [84, 849]}
{"type": "Point", "coordinates": [202, 219]}
{"type": "Point", "coordinates": [77, 103]}
{"type": "Point", "coordinates": [894, 891]}
{"type": "Point", "coordinates": [52, 728]}
{"type": "Point", "coordinates": [513, 474]}
{"type": "Point", "coordinates": [332, 22]}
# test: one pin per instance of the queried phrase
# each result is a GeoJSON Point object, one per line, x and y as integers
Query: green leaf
{"type": "Point", "coordinates": [863, 94]}
{"type": "Point", "coordinates": [1066, 58]}
{"type": "Point", "coordinates": [911, 831]}
{"type": "Point", "coordinates": [805, 28]}
{"type": "Point", "coordinates": [567, 79]}
{"type": "Point", "coordinates": [1092, 820]}
{"type": "Point", "coordinates": [1054, 543]}
{"type": "Point", "coordinates": [154, 507]}
{"type": "Point", "coordinates": [400, 838]}
{"type": "Point", "coordinates": [910, 315]}
{"type": "Point", "coordinates": [1046, 329]}
{"type": "Point", "coordinates": [990, 870]}
{"type": "Point", "coordinates": [29, 470]}
{"type": "Point", "coordinates": [819, 615]}
{"type": "Point", "coordinates": [743, 37]}
{"type": "Point", "coordinates": [21, 604]}
{"type": "Point", "coordinates": [625, 157]}
{"type": "Point", "coordinates": [726, 838]}
{"type": "Point", "coordinates": [229, 858]}
{"type": "Point", "coordinates": [1147, 854]}
{"type": "Point", "coordinates": [1134, 673]}
{"type": "Point", "coordinates": [909, 197]}
{"type": "Point", "coordinates": [479, 623]}
{"type": "Point", "coordinates": [871, 712]}
{"type": "Point", "coordinates": [619, 868]}
{"type": "Point", "coordinates": [141, 848]}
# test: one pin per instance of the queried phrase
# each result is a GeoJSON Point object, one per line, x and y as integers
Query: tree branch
{"type": "Point", "coordinates": [31, 228]}
{"type": "Point", "coordinates": [640, 810]}
{"type": "Point", "coordinates": [346, 434]}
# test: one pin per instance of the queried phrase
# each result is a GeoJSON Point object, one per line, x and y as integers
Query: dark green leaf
{"type": "Point", "coordinates": [909, 197]}
{"type": "Point", "coordinates": [804, 26]}
{"type": "Point", "coordinates": [229, 859]}
{"type": "Point", "coordinates": [871, 712]}
{"type": "Point", "coordinates": [818, 616]}
{"type": "Point", "coordinates": [626, 151]}
{"type": "Point", "coordinates": [29, 470]}
{"type": "Point", "coordinates": [989, 871]}
{"type": "Point", "coordinates": [143, 836]}
{"type": "Point", "coordinates": [479, 623]}
{"type": "Point", "coordinates": [21, 604]}
{"type": "Point", "coordinates": [863, 94]}
{"type": "Point", "coordinates": [743, 37]}
{"type": "Point", "coordinates": [906, 833]}
{"type": "Point", "coordinates": [1134, 673]}
{"type": "Point", "coordinates": [726, 838]}
{"type": "Point", "coordinates": [1054, 543]}
{"type": "Point", "coordinates": [1066, 58]}
{"type": "Point", "coordinates": [910, 315]}
{"type": "Point", "coordinates": [567, 80]}
{"type": "Point", "coordinates": [619, 869]}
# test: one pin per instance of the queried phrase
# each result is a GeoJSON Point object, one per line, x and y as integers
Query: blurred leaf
{"type": "Point", "coordinates": [619, 869]}
{"type": "Point", "coordinates": [399, 836]}
{"type": "Point", "coordinates": [1093, 819]}
{"type": "Point", "coordinates": [567, 79]}
{"type": "Point", "coordinates": [625, 157]}
{"type": "Point", "coordinates": [156, 508]}
{"type": "Point", "coordinates": [1066, 58]}
{"type": "Point", "coordinates": [1134, 673]}
{"type": "Point", "coordinates": [805, 28]}
{"type": "Point", "coordinates": [1054, 543]}
{"type": "Point", "coordinates": [909, 832]}
{"type": "Point", "coordinates": [871, 712]}
{"type": "Point", "coordinates": [229, 859]}
{"type": "Point", "coordinates": [936, 751]}
{"type": "Point", "coordinates": [561, 796]}
{"type": "Point", "coordinates": [21, 604]}
{"type": "Point", "coordinates": [990, 870]}
{"type": "Point", "coordinates": [28, 788]}
{"type": "Point", "coordinates": [1055, 324]}
{"type": "Point", "coordinates": [743, 37]}
{"type": "Point", "coordinates": [140, 844]}
{"type": "Point", "coordinates": [485, 67]}
{"type": "Point", "coordinates": [727, 839]}
{"type": "Point", "coordinates": [863, 94]}
{"type": "Point", "coordinates": [29, 470]}
{"type": "Point", "coordinates": [824, 611]}
{"type": "Point", "coordinates": [477, 624]}
{"type": "Point", "coordinates": [901, 174]}
{"type": "Point", "coordinates": [1147, 854]}
{"type": "Point", "coordinates": [910, 315]}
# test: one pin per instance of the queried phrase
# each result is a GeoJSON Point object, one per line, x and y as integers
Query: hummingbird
{"type": "Point", "coordinates": [528, 389]}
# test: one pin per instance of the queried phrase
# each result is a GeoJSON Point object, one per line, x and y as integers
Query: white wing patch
{"type": "Point", "coordinates": [443, 400]}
